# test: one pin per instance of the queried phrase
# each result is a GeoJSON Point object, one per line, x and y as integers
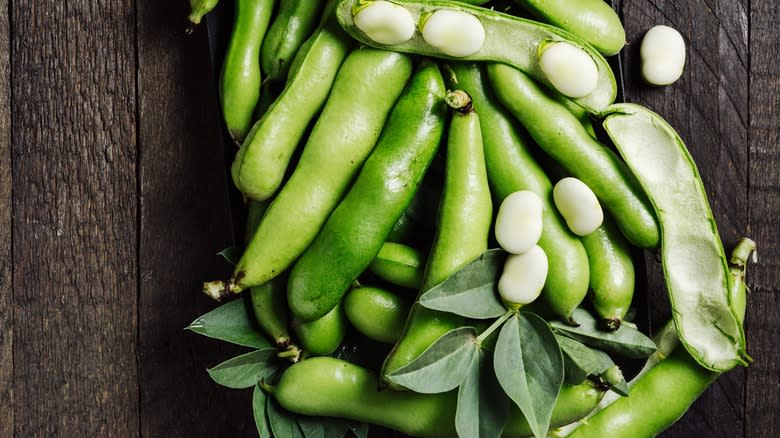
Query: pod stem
{"type": "Point", "coordinates": [292, 353]}
{"type": "Point", "coordinates": [283, 340]}
{"type": "Point", "coordinates": [740, 255]}
{"type": "Point", "coordinates": [460, 101]}
{"type": "Point", "coordinates": [611, 324]}
{"type": "Point", "coordinates": [219, 290]}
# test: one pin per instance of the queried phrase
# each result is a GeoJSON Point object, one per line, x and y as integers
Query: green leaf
{"type": "Point", "coordinates": [231, 322]}
{"type": "Point", "coordinates": [614, 377]}
{"type": "Point", "coordinates": [471, 291]}
{"type": "Point", "coordinates": [335, 427]}
{"type": "Point", "coordinates": [282, 423]}
{"type": "Point", "coordinates": [312, 427]}
{"type": "Point", "coordinates": [442, 366]}
{"type": "Point", "coordinates": [483, 408]}
{"type": "Point", "coordinates": [246, 370]}
{"type": "Point", "coordinates": [259, 399]}
{"type": "Point", "coordinates": [529, 367]}
{"type": "Point", "coordinates": [625, 341]}
{"type": "Point", "coordinates": [621, 388]}
{"type": "Point", "coordinates": [359, 429]}
{"type": "Point", "coordinates": [581, 361]}
{"type": "Point", "coordinates": [232, 254]}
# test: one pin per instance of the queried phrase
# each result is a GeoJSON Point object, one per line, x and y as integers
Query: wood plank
{"type": "Point", "coordinates": [6, 260]}
{"type": "Point", "coordinates": [708, 106]}
{"type": "Point", "coordinates": [763, 321]}
{"type": "Point", "coordinates": [74, 221]}
{"type": "Point", "coordinates": [185, 221]}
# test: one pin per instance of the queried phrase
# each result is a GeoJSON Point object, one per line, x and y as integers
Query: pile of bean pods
{"type": "Point", "coordinates": [443, 200]}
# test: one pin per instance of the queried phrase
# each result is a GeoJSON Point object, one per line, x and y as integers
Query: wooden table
{"type": "Point", "coordinates": [113, 202]}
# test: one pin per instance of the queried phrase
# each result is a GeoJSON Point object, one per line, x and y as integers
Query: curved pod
{"type": "Point", "coordinates": [260, 164]}
{"type": "Point", "coordinates": [357, 229]}
{"type": "Point", "coordinates": [465, 218]}
{"type": "Point", "coordinates": [511, 167]}
{"type": "Point", "coordinates": [240, 78]}
{"type": "Point", "coordinates": [695, 265]}
{"type": "Point", "coordinates": [508, 39]}
{"type": "Point", "coordinates": [563, 137]}
{"type": "Point", "coordinates": [343, 137]}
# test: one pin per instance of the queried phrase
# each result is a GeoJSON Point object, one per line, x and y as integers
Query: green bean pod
{"type": "Point", "coordinates": [612, 276]}
{"type": "Point", "coordinates": [737, 270]}
{"type": "Point", "coordinates": [399, 264]}
{"type": "Point", "coordinates": [465, 218]}
{"type": "Point", "coordinates": [657, 404]}
{"type": "Point", "coordinates": [378, 314]}
{"type": "Point", "coordinates": [346, 131]}
{"type": "Point", "coordinates": [269, 305]}
{"type": "Point", "coordinates": [269, 300]}
{"type": "Point", "coordinates": [563, 137]}
{"type": "Point", "coordinates": [659, 398]}
{"type": "Point", "coordinates": [507, 39]}
{"type": "Point", "coordinates": [199, 8]}
{"type": "Point", "coordinates": [592, 20]}
{"type": "Point", "coordinates": [322, 336]}
{"type": "Point", "coordinates": [241, 78]}
{"type": "Point", "coordinates": [260, 164]}
{"type": "Point", "coordinates": [355, 232]}
{"type": "Point", "coordinates": [695, 266]}
{"type": "Point", "coordinates": [579, 112]}
{"type": "Point", "coordinates": [325, 386]}
{"type": "Point", "coordinates": [403, 228]}
{"type": "Point", "coordinates": [510, 168]}
{"type": "Point", "coordinates": [294, 22]}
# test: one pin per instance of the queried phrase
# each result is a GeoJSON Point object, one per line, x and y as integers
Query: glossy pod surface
{"type": "Point", "coordinates": [379, 314]}
{"type": "Point", "coordinates": [465, 218]}
{"type": "Point", "coordinates": [670, 381]}
{"type": "Point", "coordinates": [399, 264]}
{"type": "Point", "coordinates": [355, 232]}
{"type": "Point", "coordinates": [241, 77]}
{"type": "Point", "coordinates": [324, 335]}
{"type": "Point", "coordinates": [694, 262]}
{"type": "Point", "coordinates": [508, 39]}
{"type": "Point", "coordinates": [511, 167]}
{"type": "Point", "coordinates": [612, 275]}
{"type": "Point", "coordinates": [344, 135]}
{"type": "Point", "coordinates": [658, 399]}
{"type": "Point", "coordinates": [269, 300]}
{"type": "Point", "coordinates": [332, 387]}
{"type": "Point", "coordinates": [294, 22]}
{"type": "Point", "coordinates": [563, 137]}
{"type": "Point", "coordinates": [592, 20]}
{"type": "Point", "coordinates": [260, 164]}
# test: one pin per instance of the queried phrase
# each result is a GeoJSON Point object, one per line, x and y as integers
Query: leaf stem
{"type": "Point", "coordinates": [496, 324]}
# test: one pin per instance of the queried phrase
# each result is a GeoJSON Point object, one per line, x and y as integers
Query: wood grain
{"type": "Point", "coordinates": [763, 321]}
{"type": "Point", "coordinates": [114, 200]}
{"type": "Point", "coordinates": [708, 107]}
{"type": "Point", "coordinates": [6, 254]}
{"type": "Point", "coordinates": [184, 222]}
{"type": "Point", "coordinates": [74, 218]}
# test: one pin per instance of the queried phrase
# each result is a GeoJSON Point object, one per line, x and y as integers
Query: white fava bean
{"type": "Point", "coordinates": [523, 277]}
{"type": "Point", "coordinates": [519, 222]}
{"type": "Point", "coordinates": [385, 22]}
{"type": "Point", "coordinates": [569, 69]}
{"type": "Point", "coordinates": [662, 55]}
{"type": "Point", "coordinates": [456, 33]}
{"type": "Point", "coordinates": [578, 206]}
